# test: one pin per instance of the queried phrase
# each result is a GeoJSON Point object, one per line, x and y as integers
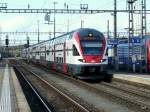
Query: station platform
{"type": "Point", "coordinates": [142, 78]}
{"type": "Point", "coordinates": [12, 98]}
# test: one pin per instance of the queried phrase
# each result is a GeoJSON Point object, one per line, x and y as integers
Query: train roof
{"type": "Point", "coordinates": [80, 30]}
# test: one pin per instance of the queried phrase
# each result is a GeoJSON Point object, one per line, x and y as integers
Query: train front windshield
{"type": "Point", "coordinates": [91, 42]}
{"type": "Point", "coordinates": [91, 47]}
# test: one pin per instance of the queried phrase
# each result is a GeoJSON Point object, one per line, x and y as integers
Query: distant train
{"type": "Point", "coordinates": [80, 53]}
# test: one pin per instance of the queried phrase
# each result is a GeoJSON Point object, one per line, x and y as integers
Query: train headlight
{"type": "Point", "coordinates": [102, 60]}
{"type": "Point", "coordinates": [83, 60]}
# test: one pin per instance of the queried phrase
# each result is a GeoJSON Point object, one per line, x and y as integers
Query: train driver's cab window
{"type": "Point", "coordinates": [75, 51]}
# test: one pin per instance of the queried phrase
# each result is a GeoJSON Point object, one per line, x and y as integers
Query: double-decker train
{"type": "Point", "coordinates": [80, 53]}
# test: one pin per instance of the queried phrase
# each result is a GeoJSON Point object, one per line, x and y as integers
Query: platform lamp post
{"type": "Point", "coordinates": [143, 32]}
{"type": "Point", "coordinates": [38, 31]}
{"type": "Point", "coordinates": [48, 21]}
{"type": "Point", "coordinates": [83, 7]}
{"type": "Point", "coordinates": [115, 35]}
{"type": "Point", "coordinates": [67, 6]}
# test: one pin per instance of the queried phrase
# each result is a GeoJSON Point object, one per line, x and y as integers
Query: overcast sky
{"type": "Point", "coordinates": [28, 22]}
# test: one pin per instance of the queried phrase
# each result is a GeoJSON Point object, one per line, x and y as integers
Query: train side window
{"type": "Point", "coordinates": [62, 60]}
{"type": "Point", "coordinates": [58, 60]}
{"type": "Point", "coordinates": [48, 52]}
{"type": "Point", "coordinates": [75, 51]}
{"type": "Point", "coordinates": [107, 52]}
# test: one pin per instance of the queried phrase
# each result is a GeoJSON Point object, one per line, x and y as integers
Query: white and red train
{"type": "Point", "coordinates": [80, 53]}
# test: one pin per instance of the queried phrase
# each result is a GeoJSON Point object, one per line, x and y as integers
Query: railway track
{"type": "Point", "coordinates": [36, 102]}
{"type": "Point", "coordinates": [133, 85]}
{"type": "Point", "coordinates": [64, 102]}
{"type": "Point", "coordinates": [129, 94]}
{"type": "Point", "coordinates": [133, 90]}
{"type": "Point", "coordinates": [137, 100]}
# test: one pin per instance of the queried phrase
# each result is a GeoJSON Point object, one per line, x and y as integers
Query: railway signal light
{"type": "Point", "coordinates": [6, 41]}
{"type": "Point", "coordinates": [27, 45]}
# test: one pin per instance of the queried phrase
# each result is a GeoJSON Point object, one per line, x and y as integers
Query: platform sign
{"type": "Point", "coordinates": [112, 42]}
{"type": "Point", "coordinates": [123, 41]}
{"type": "Point", "coordinates": [123, 49]}
{"type": "Point", "coordinates": [135, 40]}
